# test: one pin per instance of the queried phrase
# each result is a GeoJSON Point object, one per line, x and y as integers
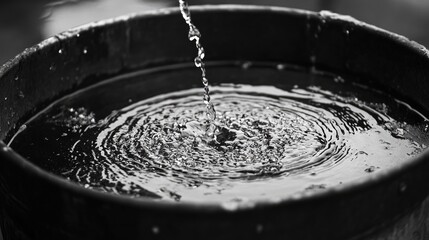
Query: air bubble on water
{"type": "Point", "coordinates": [362, 153]}
{"type": "Point", "coordinates": [370, 169]}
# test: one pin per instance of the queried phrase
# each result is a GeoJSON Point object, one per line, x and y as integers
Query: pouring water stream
{"type": "Point", "coordinates": [195, 35]}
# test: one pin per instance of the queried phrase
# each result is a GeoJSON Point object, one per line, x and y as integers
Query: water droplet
{"type": "Point", "coordinates": [312, 59]}
{"type": "Point", "coordinates": [402, 187]}
{"type": "Point", "coordinates": [21, 94]}
{"type": "Point", "coordinates": [52, 67]}
{"type": "Point", "coordinates": [339, 79]}
{"type": "Point", "coordinates": [194, 33]}
{"type": "Point", "coordinates": [85, 51]}
{"type": "Point", "coordinates": [370, 169]}
{"type": "Point", "coordinates": [22, 128]}
{"type": "Point", "coordinates": [16, 78]}
{"type": "Point", "coordinates": [280, 67]}
{"type": "Point", "coordinates": [198, 62]}
{"type": "Point", "coordinates": [259, 228]}
{"type": "Point", "coordinates": [60, 51]}
{"type": "Point", "coordinates": [211, 112]}
{"type": "Point", "coordinates": [155, 230]}
{"type": "Point", "coordinates": [205, 81]}
{"type": "Point", "coordinates": [201, 52]}
{"type": "Point", "coordinates": [246, 65]}
{"type": "Point", "coordinates": [6, 149]}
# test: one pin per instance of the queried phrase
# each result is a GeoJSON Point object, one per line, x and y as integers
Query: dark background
{"type": "Point", "coordinates": [24, 23]}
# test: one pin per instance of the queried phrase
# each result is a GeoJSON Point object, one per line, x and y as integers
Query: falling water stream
{"type": "Point", "coordinates": [195, 35]}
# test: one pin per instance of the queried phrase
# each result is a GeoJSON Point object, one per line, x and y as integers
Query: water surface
{"type": "Point", "coordinates": [280, 131]}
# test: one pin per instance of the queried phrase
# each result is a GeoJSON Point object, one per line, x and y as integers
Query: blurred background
{"type": "Point", "coordinates": [24, 23]}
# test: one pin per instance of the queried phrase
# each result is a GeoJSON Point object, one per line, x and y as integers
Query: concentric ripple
{"type": "Point", "coordinates": [266, 143]}
{"type": "Point", "coordinates": [257, 134]}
